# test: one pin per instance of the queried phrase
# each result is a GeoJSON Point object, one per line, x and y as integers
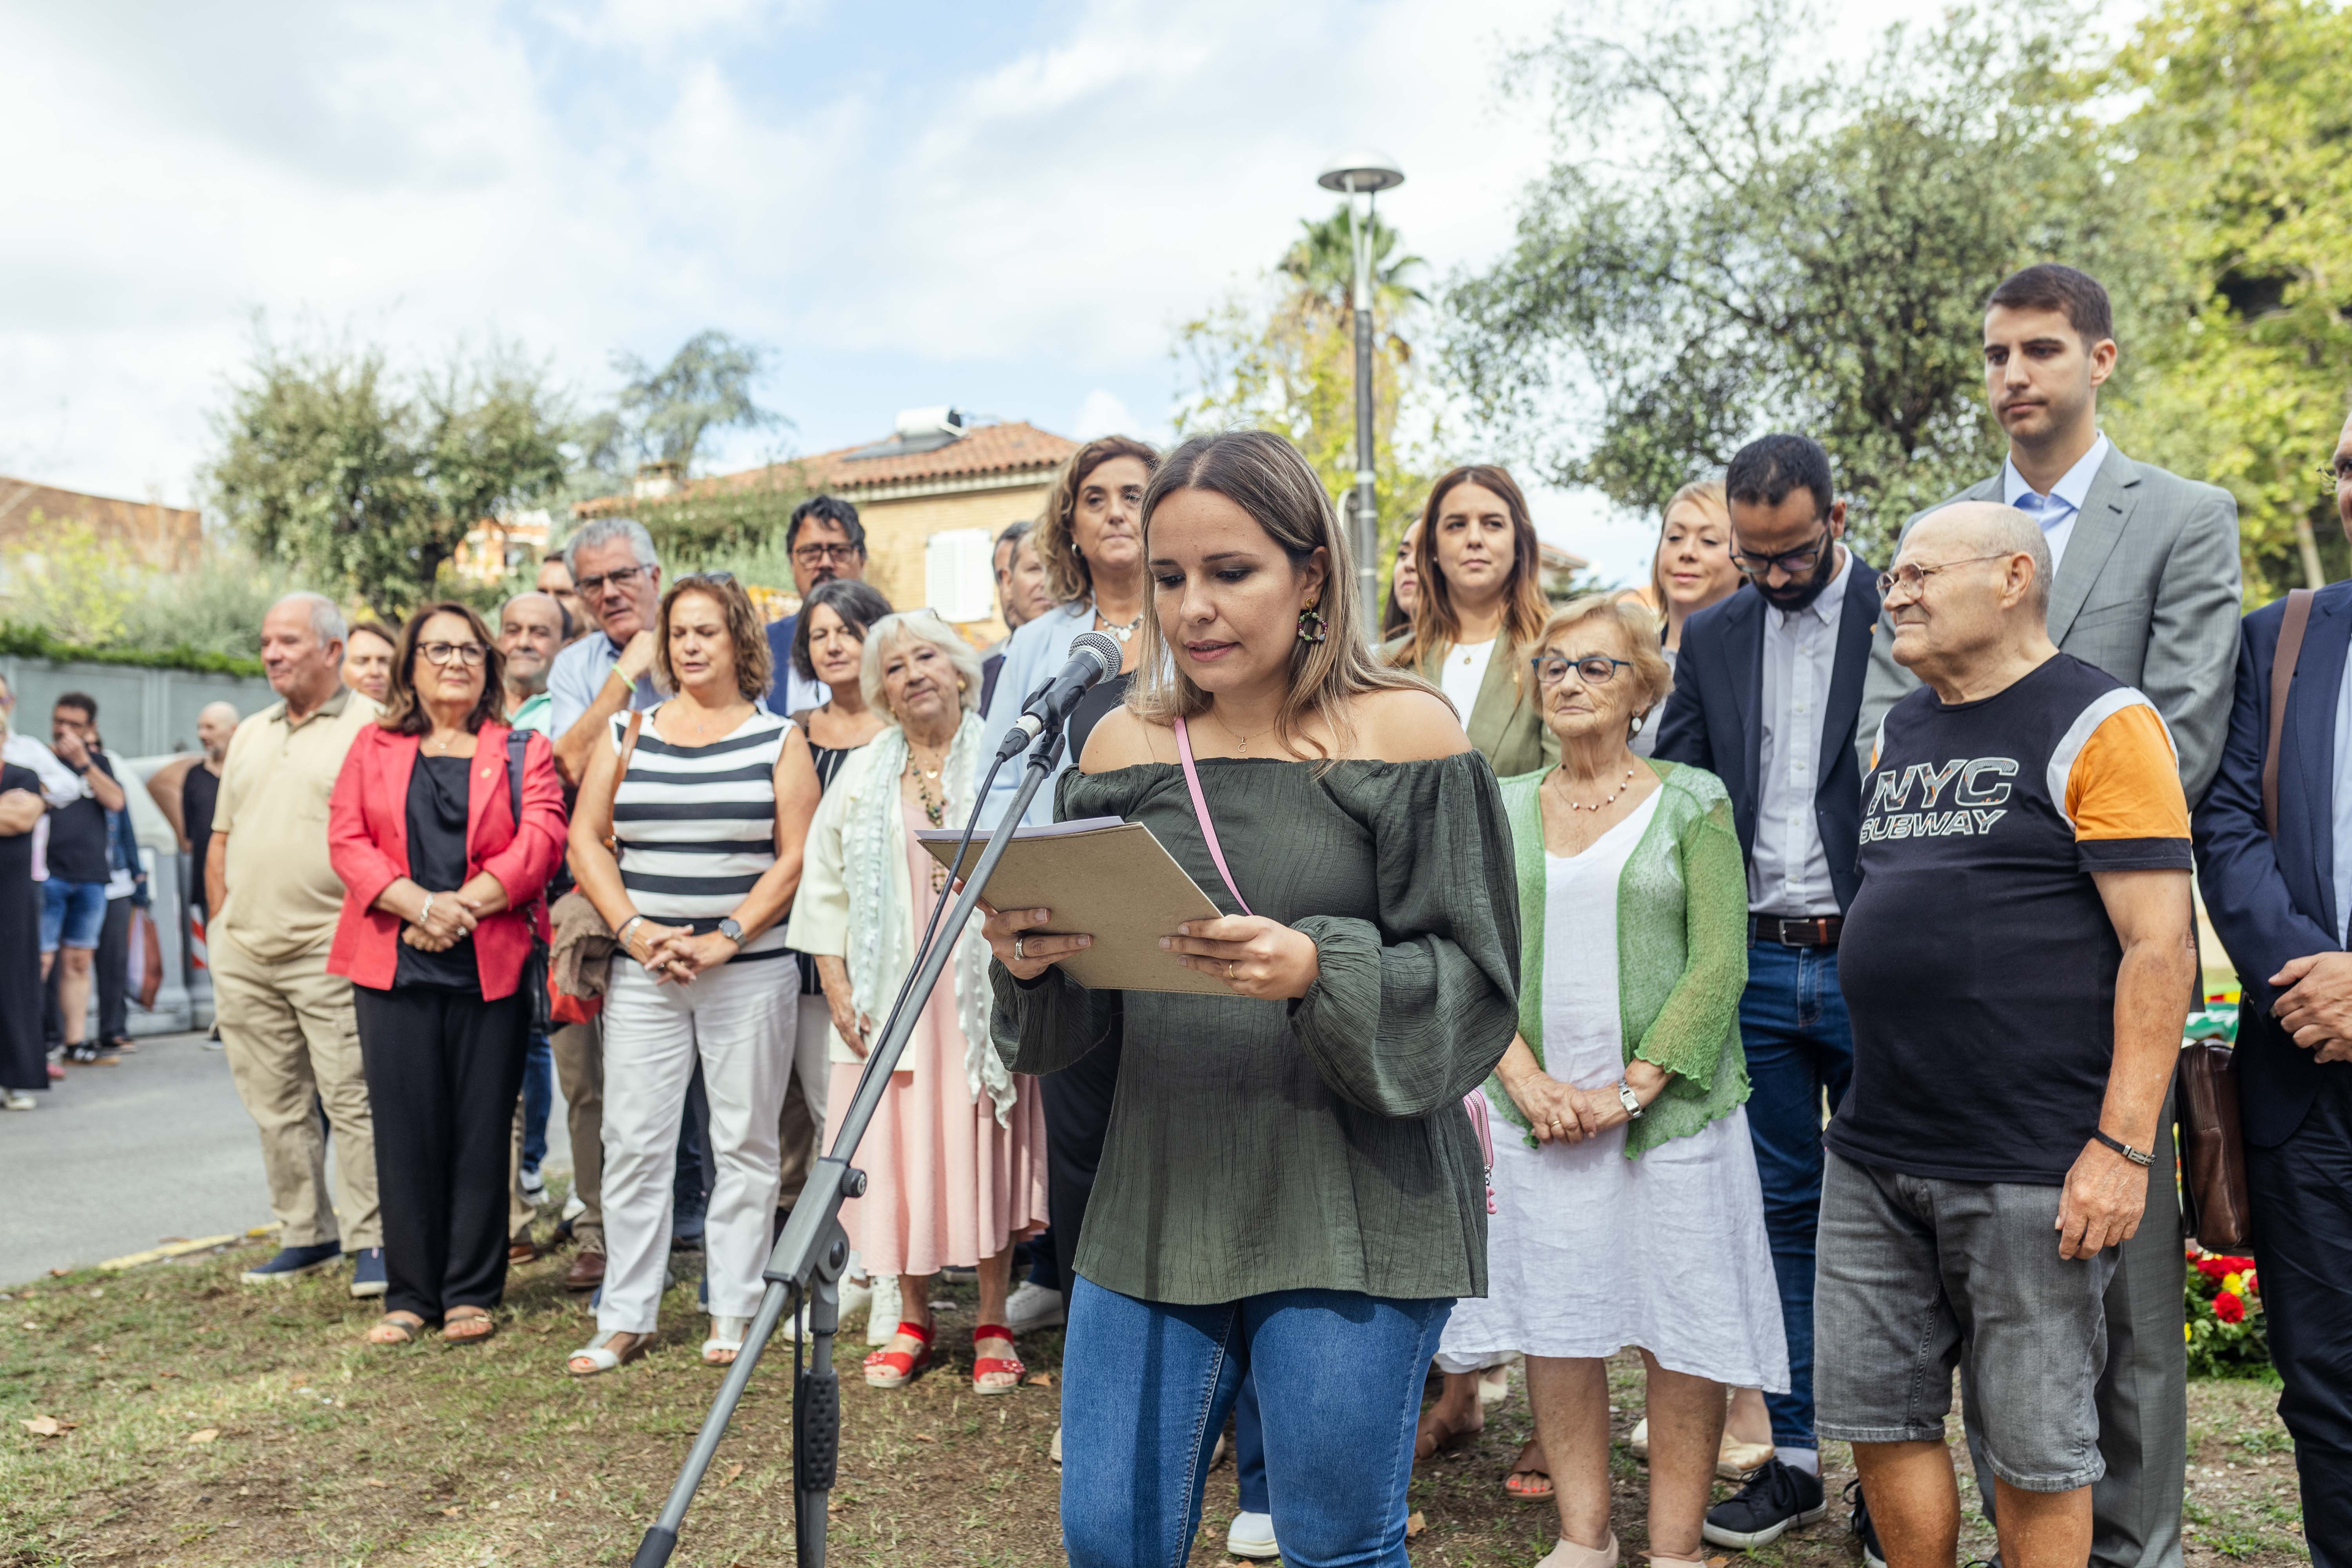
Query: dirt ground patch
{"type": "Point", "coordinates": [326, 1450]}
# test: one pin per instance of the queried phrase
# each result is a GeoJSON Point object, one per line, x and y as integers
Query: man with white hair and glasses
{"type": "Point", "coordinates": [617, 574]}
{"type": "Point", "coordinates": [287, 1024]}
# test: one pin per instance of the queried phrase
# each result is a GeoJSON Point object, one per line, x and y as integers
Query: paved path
{"type": "Point", "coordinates": [119, 1158]}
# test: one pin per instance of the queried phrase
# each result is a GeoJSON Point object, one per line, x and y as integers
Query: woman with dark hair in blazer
{"type": "Point", "coordinates": [1478, 603]}
{"type": "Point", "coordinates": [441, 902]}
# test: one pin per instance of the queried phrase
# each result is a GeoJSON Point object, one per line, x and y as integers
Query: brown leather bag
{"type": "Point", "coordinates": [2205, 1085]}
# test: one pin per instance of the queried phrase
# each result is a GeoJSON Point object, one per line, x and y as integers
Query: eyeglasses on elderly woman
{"type": "Point", "coordinates": [1591, 668]}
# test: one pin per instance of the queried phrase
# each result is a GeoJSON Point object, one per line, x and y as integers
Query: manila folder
{"type": "Point", "coordinates": [1108, 878]}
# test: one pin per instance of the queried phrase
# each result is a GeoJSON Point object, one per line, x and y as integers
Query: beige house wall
{"type": "Point", "coordinates": [896, 528]}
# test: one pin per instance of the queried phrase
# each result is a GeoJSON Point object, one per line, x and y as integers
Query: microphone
{"type": "Point", "coordinates": [1094, 657]}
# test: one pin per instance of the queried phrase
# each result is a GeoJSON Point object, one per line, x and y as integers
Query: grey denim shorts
{"type": "Point", "coordinates": [1917, 1274]}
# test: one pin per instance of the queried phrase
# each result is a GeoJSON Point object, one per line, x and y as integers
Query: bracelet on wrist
{"type": "Point", "coordinates": [622, 936]}
{"type": "Point", "coordinates": [427, 913]}
{"type": "Point", "coordinates": [2126, 1150]}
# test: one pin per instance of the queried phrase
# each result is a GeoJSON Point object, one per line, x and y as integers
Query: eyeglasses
{"type": "Point", "coordinates": [718, 579]}
{"type": "Point", "coordinates": [441, 653]}
{"type": "Point", "coordinates": [620, 577]}
{"type": "Point", "coordinates": [816, 554]}
{"type": "Point", "coordinates": [2336, 474]}
{"type": "Point", "coordinates": [1792, 561]}
{"type": "Point", "coordinates": [1592, 668]}
{"type": "Point", "coordinates": [1913, 579]}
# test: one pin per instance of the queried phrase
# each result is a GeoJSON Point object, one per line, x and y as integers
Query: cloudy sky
{"type": "Point", "coordinates": [1004, 207]}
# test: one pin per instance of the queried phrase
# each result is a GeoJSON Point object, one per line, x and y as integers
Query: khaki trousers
{"type": "Point", "coordinates": [580, 1072]}
{"type": "Point", "coordinates": [293, 1043]}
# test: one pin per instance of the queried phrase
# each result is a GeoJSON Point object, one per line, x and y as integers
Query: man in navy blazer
{"type": "Point", "coordinates": [826, 541]}
{"type": "Point", "coordinates": [2280, 906]}
{"type": "Point", "coordinates": [1767, 691]}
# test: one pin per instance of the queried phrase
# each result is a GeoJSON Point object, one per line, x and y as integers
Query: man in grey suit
{"type": "Point", "coordinates": [2147, 588]}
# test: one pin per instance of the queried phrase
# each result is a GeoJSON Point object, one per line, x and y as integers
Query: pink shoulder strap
{"type": "Point", "coordinates": [1201, 811]}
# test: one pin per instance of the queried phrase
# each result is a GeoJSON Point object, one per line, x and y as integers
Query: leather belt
{"type": "Point", "coordinates": [1789, 931]}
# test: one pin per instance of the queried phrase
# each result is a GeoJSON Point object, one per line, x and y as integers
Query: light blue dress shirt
{"type": "Point", "coordinates": [578, 672]}
{"type": "Point", "coordinates": [2057, 510]}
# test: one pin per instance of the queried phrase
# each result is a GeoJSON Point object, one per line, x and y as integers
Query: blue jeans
{"type": "Point", "coordinates": [1249, 1450]}
{"type": "Point", "coordinates": [1793, 1023]}
{"type": "Point", "coordinates": [1149, 1385]}
{"type": "Point", "coordinates": [538, 1098]}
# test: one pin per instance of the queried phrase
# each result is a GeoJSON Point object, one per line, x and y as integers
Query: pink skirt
{"type": "Point", "coordinates": [945, 1184]}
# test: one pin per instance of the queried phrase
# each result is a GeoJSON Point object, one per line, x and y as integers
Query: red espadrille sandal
{"type": "Point", "coordinates": [995, 1365]}
{"type": "Point", "coordinates": [897, 1369]}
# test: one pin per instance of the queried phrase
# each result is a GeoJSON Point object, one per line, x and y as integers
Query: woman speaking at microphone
{"type": "Point", "coordinates": [1290, 1189]}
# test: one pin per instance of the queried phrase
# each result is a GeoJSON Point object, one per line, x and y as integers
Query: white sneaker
{"type": "Point", "coordinates": [1032, 1307]}
{"type": "Point", "coordinates": [882, 1314]}
{"type": "Point", "coordinates": [534, 1188]}
{"type": "Point", "coordinates": [18, 1100]}
{"type": "Point", "coordinates": [572, 1207]}
{"type": "Point", "coordinates": [1252, 1535]}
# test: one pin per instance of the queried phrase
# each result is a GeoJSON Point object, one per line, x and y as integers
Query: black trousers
{"type": "Point", "coordinates": [443, 1071]}
{"type": "Point", "coordinates": [113, 962]}
{"type": "Point", "coordinates": [1078, 1113]}
{"type": "Point", "coordinates": [2302, 1193]}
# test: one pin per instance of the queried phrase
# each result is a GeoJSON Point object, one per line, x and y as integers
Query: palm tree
{"type": "Point", "coordinates": [1322, 264]}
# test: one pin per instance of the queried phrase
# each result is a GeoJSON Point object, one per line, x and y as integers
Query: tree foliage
{"type": "Point", "coordinates": [367, 481]}
{"type": "Point", "coordinates": [2245, 133]}
{"type": "Point", "coordinates": [1738, 234]}
{"type": "Point", "coordinates": [662, 415]}
{"type": "Point", "coordinates": [1281, 356]}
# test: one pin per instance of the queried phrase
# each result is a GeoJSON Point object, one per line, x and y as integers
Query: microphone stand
{"type": "Point", "coordinates": [809, 1257]}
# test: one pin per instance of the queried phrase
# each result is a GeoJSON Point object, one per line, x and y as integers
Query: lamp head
{"type": "Point", "coordinates": [1361, 169]}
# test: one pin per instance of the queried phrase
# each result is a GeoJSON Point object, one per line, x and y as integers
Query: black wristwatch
{"type": "Point", "coordinates": [731, 929]}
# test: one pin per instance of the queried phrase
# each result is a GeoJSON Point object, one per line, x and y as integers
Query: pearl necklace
{"type": "Point", "coordinates": [1608, 801]}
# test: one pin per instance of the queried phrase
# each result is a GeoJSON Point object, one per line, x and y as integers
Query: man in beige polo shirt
{"type": "Point", "coordinates": [287, 1023]}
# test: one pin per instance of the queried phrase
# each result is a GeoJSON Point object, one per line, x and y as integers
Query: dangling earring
{"type": "Point", "coordinates": [1310, 623]}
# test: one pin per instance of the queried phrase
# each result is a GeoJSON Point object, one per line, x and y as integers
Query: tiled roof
{"type": "Point", "coordinates": [1013, 449]}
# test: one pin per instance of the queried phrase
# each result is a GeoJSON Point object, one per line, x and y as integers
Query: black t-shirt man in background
{"type": "Point", "coordinates": [73, 900]}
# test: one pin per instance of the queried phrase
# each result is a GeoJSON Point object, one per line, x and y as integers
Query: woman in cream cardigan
{"type": "Point", "coordinates": [1479, 602]}
{"type": "Point", "coordinates": [954, 1159]}
{"type": "Point", "coordinates": [1628, 1210]}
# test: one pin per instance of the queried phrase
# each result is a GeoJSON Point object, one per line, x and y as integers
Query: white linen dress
{"type": "Point", "coordinates": [1588, 1252]}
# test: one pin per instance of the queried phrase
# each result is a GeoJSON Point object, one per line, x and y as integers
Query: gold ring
{"type": "Point", "coordinates": [1229, 971]}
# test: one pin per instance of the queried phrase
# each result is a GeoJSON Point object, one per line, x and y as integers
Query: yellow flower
{"type": "Point", "coordinates": [2235, 1284]}
{"type": "Point", "coordinates": [2187, 1334]}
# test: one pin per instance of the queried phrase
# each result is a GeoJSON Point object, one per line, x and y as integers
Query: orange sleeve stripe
{"type": "Point", "coordinates": [2125, 782]}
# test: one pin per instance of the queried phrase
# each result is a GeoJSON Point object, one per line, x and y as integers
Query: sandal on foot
{"type": "Point", "coordinates": [897, 1369]}
{"type": "Point", "coordinates": [726, 1341]}
{"type": "Point", "coordinates": [1437, 1435]}
{"type": "Point", "coordinates": [1528, 1481]}
{"type": "Point", "coordinates": [995, 1365]}
{"type": "Point", "coordinates": [467, 1325]}
{"type": "Point", "coordinates": [600, 1356]}
{"type": "Point", "coordinates": [396, 1329]}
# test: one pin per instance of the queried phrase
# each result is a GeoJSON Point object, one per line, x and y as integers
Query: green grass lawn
{"type": "Point", "coordinates": [325, 1451]}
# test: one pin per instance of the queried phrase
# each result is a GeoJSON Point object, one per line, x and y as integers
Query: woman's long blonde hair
{"type": "Point", "coordinates": [1706, 494]}
{"type": "Point", "coordinates": [1266, 477]}
{"type": "Point", "coordinates": [1435, 622]}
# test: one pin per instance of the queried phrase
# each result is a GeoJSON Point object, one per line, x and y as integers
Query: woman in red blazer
{"type": "Point", "coordinates": [441, 901]}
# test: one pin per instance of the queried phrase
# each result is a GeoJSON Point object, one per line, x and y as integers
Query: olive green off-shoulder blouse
{"type": "Point", "coordinates": [1319, 1143]}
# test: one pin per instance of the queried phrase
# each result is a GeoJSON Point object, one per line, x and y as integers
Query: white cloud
{"type": "Point", "coordinates": [1006, 211]}
{"type": "Point", "coordinates": [1104, 413]}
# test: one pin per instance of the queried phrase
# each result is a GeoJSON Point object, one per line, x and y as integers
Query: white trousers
{"type": "Point", "coordinates": [739, 1020]}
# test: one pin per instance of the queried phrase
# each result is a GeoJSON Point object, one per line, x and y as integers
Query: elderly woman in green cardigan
{"type": "Point", "coordinates": [1628, 1207]}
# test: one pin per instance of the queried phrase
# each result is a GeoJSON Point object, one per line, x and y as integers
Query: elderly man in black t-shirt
{"type": "Point", "coordinates": [2017, 964]}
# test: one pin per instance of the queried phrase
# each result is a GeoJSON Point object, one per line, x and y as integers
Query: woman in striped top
{"type": "Point", "coordinates": [708, 816]}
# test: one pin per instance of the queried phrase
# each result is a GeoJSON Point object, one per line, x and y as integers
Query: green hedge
{"type": "Point", "coordinates": [34, 642]}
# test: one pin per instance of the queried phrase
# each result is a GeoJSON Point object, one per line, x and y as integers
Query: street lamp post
{"type": "Point", "coordinates": [1364, 173]}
